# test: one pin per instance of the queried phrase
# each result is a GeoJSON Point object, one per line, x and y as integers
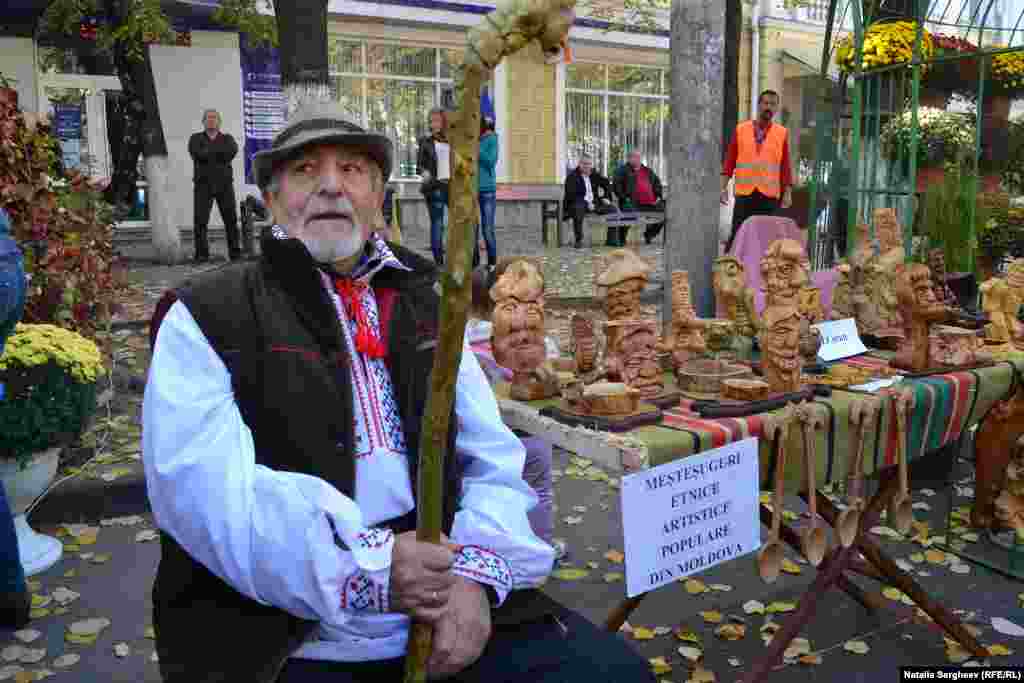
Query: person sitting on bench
{"type": "Point", "coordinates": [586, 191]}
{"type": "Point", "coordinates": [639, 189]}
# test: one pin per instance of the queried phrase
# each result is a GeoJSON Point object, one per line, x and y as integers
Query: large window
{"type": "Point", "coordinates": [391, 88]}
{"type": "Point", "coordinates": [612, 109]}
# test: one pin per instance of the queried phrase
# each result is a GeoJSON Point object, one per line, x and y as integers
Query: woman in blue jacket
{"type": "Point", "coordinates": [487, 187]}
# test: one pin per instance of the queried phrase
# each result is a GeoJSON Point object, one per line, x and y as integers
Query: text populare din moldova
{"type": "Point", "coordinates": [688, 501]}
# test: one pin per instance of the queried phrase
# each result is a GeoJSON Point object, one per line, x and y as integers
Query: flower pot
{"type": "Point", "coordinates": [929, 175]}
{"type": "Point", "coordinates": [22, 486]}
{"type": "Point", "coordinates": [997, 107]}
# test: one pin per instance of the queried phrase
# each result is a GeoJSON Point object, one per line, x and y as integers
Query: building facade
{"type": "Point", "coordinates": [392, 60]}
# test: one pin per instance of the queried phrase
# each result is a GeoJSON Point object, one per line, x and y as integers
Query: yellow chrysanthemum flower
{"type": "Point", "coordinates": [32, 345]}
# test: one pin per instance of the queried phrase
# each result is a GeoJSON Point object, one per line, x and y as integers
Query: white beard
{"type": "Point", "coordinates": [329, 250]}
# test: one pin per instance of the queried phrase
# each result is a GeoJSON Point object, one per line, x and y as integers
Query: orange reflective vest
{"type": "Point", "coordinates": [759, 169]}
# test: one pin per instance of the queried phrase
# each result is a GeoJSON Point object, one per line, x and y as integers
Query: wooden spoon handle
{"type": "Point", "coordinates": [901, 441]}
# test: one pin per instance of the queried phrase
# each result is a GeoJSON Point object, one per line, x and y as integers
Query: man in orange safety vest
{"type": "Point", "coordinates": [758, 156]}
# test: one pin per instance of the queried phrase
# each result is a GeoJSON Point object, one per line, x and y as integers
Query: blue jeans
{"type": "Point", "coordinates": [437, 204]}
{"type": "Point", "coordinates": [488, 204]}
{"type": "Point", "coordinates": [12, 575]}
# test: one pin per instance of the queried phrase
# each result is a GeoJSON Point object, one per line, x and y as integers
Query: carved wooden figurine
{"type": "Point", "coordinates": [919, 311]}
{"type": "Point", "coordinates": [1003, 426]}
{"type": "Point", "coordinates": [684, 337]}
{"type": "Point", "coordinates": [784, 272]}
{"type": "Point", "coordinates": [952, 346]}
{"type": "Point", "coordinates": [937, 263]}
{"type": "Point", "coordinates": [779, 340]}
{"type": "Point", "coordinates": [842, 295]}
{"type": "Point", "coordinates": [875, 302]}
{"type": "Point", "coordinates": [1009, 506]}
{"type": "Point", "coordinates": [1001, 300]}
{"type": "Point", "coordinates": [633, 358]}
{"type": "Point", "coordinates": [622, 280]}
{"type": "Point", "coordinates": [811, 313]}
{"type": "Point", "coordinates": [734, 300]}
{"type": "Point", "coordinates": [584, 344]}
{"type": "Point", "coordinates": [518, 333]}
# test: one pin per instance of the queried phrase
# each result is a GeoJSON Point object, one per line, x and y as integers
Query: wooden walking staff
{"type": "Point", "coordinates": [503, 32]}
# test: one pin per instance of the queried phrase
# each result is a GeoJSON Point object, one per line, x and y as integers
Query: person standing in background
{"type": "Point", "coordinates": [212, 152]}
{"type": "Point", "coordinates": [433, 164]}
{"type": "Point", "coordinates": [759, 157]}
{"type": "Point", "coordinates": [488, 188]}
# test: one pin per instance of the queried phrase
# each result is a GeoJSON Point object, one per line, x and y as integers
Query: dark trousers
{"type": "Point", "coordinates": [840, 211]}
{"type": "Point", "coordinates": [437, 205]}
{"type": "Point", "coordinates": [205, 195]}
{"type": "Point", "coordinates": [577, 212]}
{"type": "Point", "coordinates": [562, 649]}
{"type": "Point", "coordinates": [754, 204]}
{"type": "Point", "coordinates": [488, 205]}
{"type": "Point", "coordinates": [652, 230]}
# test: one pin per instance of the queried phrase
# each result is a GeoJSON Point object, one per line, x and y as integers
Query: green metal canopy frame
{"type": "Point", "coordinates": [879, 94]}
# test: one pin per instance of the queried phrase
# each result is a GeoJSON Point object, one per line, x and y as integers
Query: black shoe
{"type": "Point", "coordinates": [648, 238]}
{"type": "Point", "coordinates": [579, 244]}
{"type": "Point", "coordinates": [201, 259]}
{"type": "Point", "coordinates": [235, 256]}
{"type": "Point", "coordinates": [14, 609]}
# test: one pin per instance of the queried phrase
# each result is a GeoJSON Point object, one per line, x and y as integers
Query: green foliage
{"type": "Point", "coordinates": [44, 407]}
{"type": "Point", "coordinates": [1002, 230]}
{"type": "Point", "coordinates": [244, 15]}
{"type": "Point", "coordinates": [1013, 170]}
{"type": "Point", "coordinates": [947, 207]}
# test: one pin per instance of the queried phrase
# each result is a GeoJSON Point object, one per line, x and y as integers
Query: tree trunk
{"type": "Point", "coordinates": [697, 50]}
{"type": "Point", "coordinates": [731, 76]}
{"type": "Point", "coordinates": [143, 134]}
{"type": "Point", "coordinates": [302, 39]}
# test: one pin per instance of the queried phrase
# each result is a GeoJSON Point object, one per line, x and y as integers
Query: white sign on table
{"type": "Point", "coordinates": [688, 515]}
{"type": "Point", "coordinates": [839, 339]}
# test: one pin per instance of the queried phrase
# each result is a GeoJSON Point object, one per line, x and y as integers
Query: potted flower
{"type": "Point", "coordinates": [956, 70]}
{"type": "Point", "coordinates": [1000, 234]}
{"type": "Point", "coordinates": [885, 43]}
{"type": "Point", "coordinates": [49, 375]}
{"type": "Point", "coordinates": [942, 137]}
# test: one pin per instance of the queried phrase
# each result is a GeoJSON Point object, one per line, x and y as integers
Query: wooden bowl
{"type": "Point", "coordinates": [745, 389]}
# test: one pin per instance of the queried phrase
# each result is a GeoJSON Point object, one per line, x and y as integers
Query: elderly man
{"type": "Point", "coordinates": [638, 188]}
{"type": "Point", "coordinates": [212, 152]}
{"type": "Point", "coordinates": [281, 428]}
{"type": "Point", "coordinates": [586, 191]}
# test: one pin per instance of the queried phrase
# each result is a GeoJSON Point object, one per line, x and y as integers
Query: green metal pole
{"type": "Point", "coordinates": [819, 136]}
{"type": "Point", "coordinates": [858, 85]}
{"type": "Point", "coordinates": [915, 93]}
{"type": "Point", "coordinates": [973, 196]}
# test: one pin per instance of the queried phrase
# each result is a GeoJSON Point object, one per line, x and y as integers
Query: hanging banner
{"type": "Point", "coordinates": [67, 127]}
{"type": "Point", "coordinates": [262, 99]}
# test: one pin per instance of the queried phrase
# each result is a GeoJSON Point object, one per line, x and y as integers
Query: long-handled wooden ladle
{"type": "Point", "coordinates": [862, 414]}
{"type": "Point", "coordinates": [776, 428]}
{"type": "Point", "coordinates": [901, 509]}
{"type": "Point", "coordinates": [814, 540]}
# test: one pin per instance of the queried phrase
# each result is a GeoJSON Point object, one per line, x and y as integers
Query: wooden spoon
{"type": "Point", "coordinates": [901, 510]}
{"type": "Point", "coordinates": [863, 414]}
{"type": "Point", "coordinates": [814, 540]}
{"type": "Point", "coordinates": [769, 559]}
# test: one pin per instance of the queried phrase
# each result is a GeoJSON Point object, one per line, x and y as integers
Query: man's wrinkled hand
{"type": "Point", "coordinates": [461, 634]}
{"type": "Point", "coordinates": [421, 582]}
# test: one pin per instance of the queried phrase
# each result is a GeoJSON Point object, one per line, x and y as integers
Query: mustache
{"type": "Point", "coordinates": [341, 209]}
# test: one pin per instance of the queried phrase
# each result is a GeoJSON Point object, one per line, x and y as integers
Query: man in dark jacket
{"type": "Point", "coordinates": [586, 191]}
{"type": "Point", "coordinates": [638, 188]}
{"type": "Point", "coordinates": [282, 418]}
{"type": "Point", "coordinates": [212, 152]}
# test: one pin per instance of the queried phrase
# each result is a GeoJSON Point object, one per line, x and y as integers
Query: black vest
{"type": "Point", "coordinates": [277, 332]}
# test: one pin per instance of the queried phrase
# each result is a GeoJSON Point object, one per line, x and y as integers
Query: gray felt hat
{"type": "Point", "coordinates": [320, 124]}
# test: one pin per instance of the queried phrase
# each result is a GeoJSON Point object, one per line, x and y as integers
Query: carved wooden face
{"type": "Point", "coordinates": [636, 350]}
{"type": "Point", "coordinates": [887, 227]}
{"type": "Point", "coordinates": [623, 299]}
{"type": "Point", "coordinates": [729, 277]}
{"type": "Point", "coordinates": [810, 303]}
{"type": "Point", "coordinates": [783, 277]}
{"type": "Point", "coordinates": [518, 318]}
{"type": "Point", "coordinates": [584, 342]}
{"type": "Point", "coordinates": [951, 348]}
{"type": "Point", "coordinates": [937, 263]}
{"type": "Point", "coordinates": [780, 341]}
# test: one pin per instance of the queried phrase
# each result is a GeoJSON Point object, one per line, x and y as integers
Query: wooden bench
{"type": "Point", "coordinates": [549, 196]}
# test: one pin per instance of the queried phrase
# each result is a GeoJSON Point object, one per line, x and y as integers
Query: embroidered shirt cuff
{"type": "Point", "coordinates": [366, 592]}
{"type": "Point", "coordinates": [485, 567]}
{"type": "Point", "coordinates": [370, 548]}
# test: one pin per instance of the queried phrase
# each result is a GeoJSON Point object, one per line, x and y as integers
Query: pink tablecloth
{"type": "Point", "coordinates": [752, 240]}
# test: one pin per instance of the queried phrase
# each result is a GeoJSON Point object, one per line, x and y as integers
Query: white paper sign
{"type": "Point", "coordinates": [839, 339]}
{"type": "Point", "coordinates": [688, 515]}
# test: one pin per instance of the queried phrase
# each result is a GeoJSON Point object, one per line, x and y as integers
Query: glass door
{"type": "Point", "coordinates": [76, 105]}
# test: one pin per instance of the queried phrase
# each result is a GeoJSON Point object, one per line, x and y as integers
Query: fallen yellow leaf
{"type": "Point", "coordinates": [731, 631]}
{"type": "Point", "coordinates": [78, 639]}
{"type": "Point", "coordinates": [755, 607]}
{"type": "Point", "coordinates": [39, 613]}
{"type": "Point", "coordinates": [856, 646]}
{"type": "Point", "coordinates": [686, 635]}
{"type": "Point", "coordinates": [690, 653]}
{"type": "Point", "coordinates": [149, 633]}
{"type": "Point", "coordinates": [659, 666]}
{"type": "Point", "coordinates": [789, 516]}
{"type": "Point", "coordinates": [790, 567]}
{"type": "Point", "coordinates": [797, 647]}
{"type": "Point", "coordinates": [694, 586]}
{"type": "Point", "coordinates": [810, 659]}
{"type": "Point", "coordinates": [643, 633]}
{"type": "Point", "coordinates": [765, 498]}
{"type": "Point", "coordinates": [780, 607]}
{"type": "Point", "coordinates": [999, 651]}
{"type": "Point", "coordinates": [956, 654]}
{"type": "Point", "coordinates": [893, 593]}
{"type": "Point", "coordinates": [570, 574]}
{"type": "Point", "coordinates": [612, 577]}
{"type": "Point", "coordinates": [701, 675]}
{"type": "Point", "coordinates": [614, 556]}
{"type": "Point", "coordinates": [712, 617]}
{"type": "Point", "coordinates": [935, 556]}
{"type": "Point", "coordinates": [919, 557]}
{"type": "Point", "coordinates": [1020, 599]}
